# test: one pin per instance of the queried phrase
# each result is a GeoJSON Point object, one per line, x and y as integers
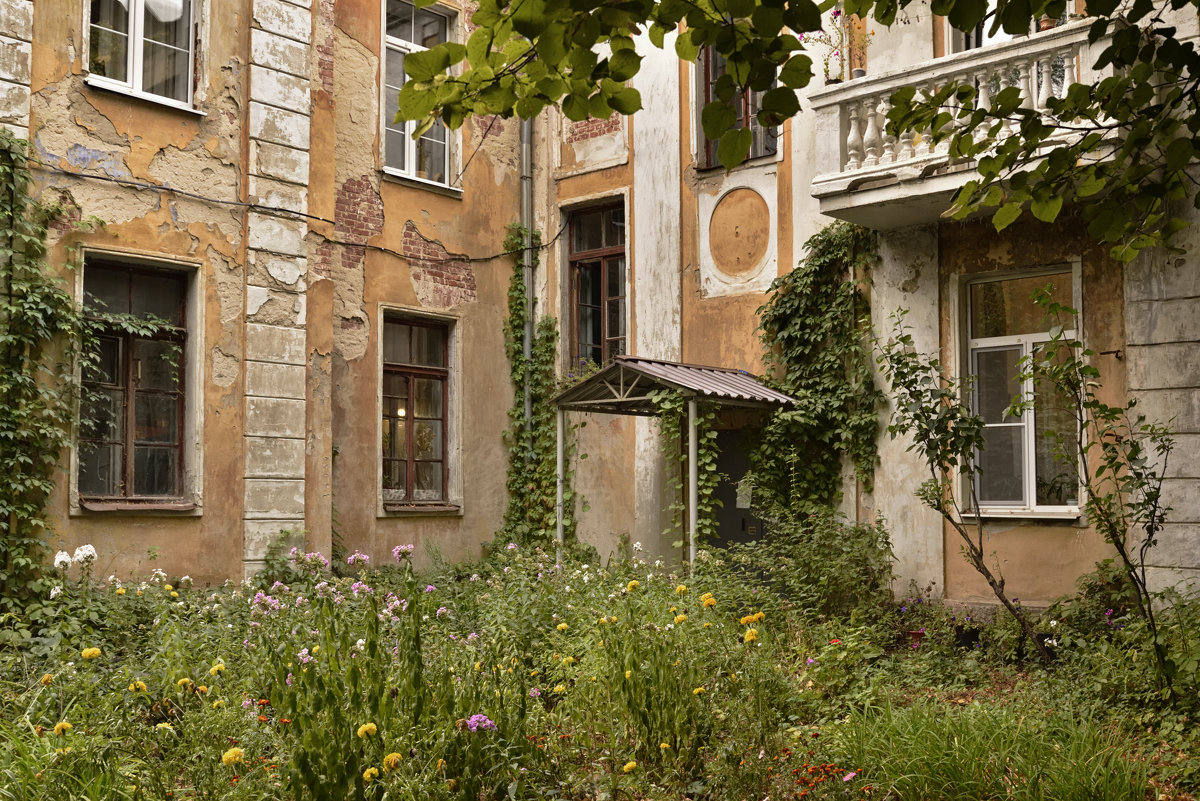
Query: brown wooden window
{"type": "Point", "coordinates": [597, 265]}
{"type": "Point", "coordinates": [746, 105]}
{"type": "Point", "coordinates": [131, 411]}
{"type": "Point", "coordinates": [415, 401]}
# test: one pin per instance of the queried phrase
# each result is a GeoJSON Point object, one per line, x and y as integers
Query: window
{"type": "Point", "coordinates": [406, 30]}
{"type": "Point", "coordinates": [132, 411]}
{"type": "Point", "coordinates": [142, 46]}
{"type": "Point", "coordinates": [746, 106]}
{"type": "Point", "coordinates": [1019, 469]}
{"type": "Point", "coordinates": [597, 265]}
{"type": "Point", "coordinates": [415, 401]}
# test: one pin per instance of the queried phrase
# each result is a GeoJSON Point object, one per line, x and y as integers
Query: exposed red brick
{"type": "Point", "coordinates": [440, 279]}
{"type": "Point", "coordinates": [358, 211]}
{"type": "Point", "coordinates": [592, 128]}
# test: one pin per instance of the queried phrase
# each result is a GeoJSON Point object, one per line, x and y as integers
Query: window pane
{"type": "Point", "coordinates": [106, 290]}
{"type": "Point", "coordinates": [614, 227]}
{"type": "Point", "coordinates": [155, 418]}
{"type": "Point", "coordinates": [429, 28]}
{"type": "Point", "coordinates": [106, 369]}
{"type": "Point", "coordinates": [589, 231]}
{"type": "Point", "coordinates": [101, 414]}
{"type": "Point", "coordinates": [429, 346]}
{"type": "Point", "coordinates": [614, 319]}
{"type": "Point", "coordinates": [111, 14]}
{"type": "Point", "coordinates": [589, 326]}
{"type": "Point", "coordinates": [107, 54]}
{"type": "Point", "coordinates": [1054, 422]}
{"type": "Point", "coordinates": [156, 364]}
{"type": "Point", "coordinates": [431, 158]}
{"type": "Point", "coordinates": [1001, 465]}
{"type": "Point", "coordinates": [394, 155]}
{"type": "Point", "coordinates": [394, 480]}
{"type": "Point", "coordinates": [428, 393]}
{"type": "Point", "coordinates": [428, 484]}
{"type": "Point", "coordinates": [1006, 308]}
{"type": "Point", "coordinates": [167, 22]}
{"type": "Point", "coordinates": [165, 71]}
{"type": "Point", "coordinates": [396, 338]}
{"type": "Point", "coordinates": [616, 347]}
{"type": "Point", "coordinates": [427, 439]}
{"type": "Point", "coordinates": [588, 278]}
{"type": "Point", "coordinates": [99, 469]}
{"type": "Point", "coordinates": [158, 296]}
{"type": "Point", "coordinates": [400, 20]}
{"type": "Point", "coordinates": [997, 382]}
{"type": "Point", "coordinates": [616, 277]}
{"type": "Point", "coordinates": [395, 441]}
{"type": "Point", "coordinates": [395, 388]}
{"type": "Point", "coordinates": [154, 471]}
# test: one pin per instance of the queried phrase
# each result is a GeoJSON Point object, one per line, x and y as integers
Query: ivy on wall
{"type": "Point", "coordinates": [672, 420]}
{"type": "Point", "coordinates": [531, 514]}
{"type": "Point", "coordinates": [816, 332]}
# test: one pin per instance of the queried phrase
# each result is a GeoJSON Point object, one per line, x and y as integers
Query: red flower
{"type": "Point", "coordinates": [835, 641]}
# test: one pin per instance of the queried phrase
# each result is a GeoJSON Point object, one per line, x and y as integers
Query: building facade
{"type": "Point", "coordinates": [337, 289]}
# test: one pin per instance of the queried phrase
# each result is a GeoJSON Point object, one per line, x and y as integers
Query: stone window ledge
{"type": "Point", "coordinates": [401, 509]}
{"type": "Point", "coordinates": [171, 506]}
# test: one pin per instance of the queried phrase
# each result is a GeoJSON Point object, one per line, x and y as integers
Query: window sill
{"type": "Point", "coordinates": [395, 176]}
{"type": "Point", "coordinates": [403, 509]}
{"type": "Point", "coordinates": [97, 82]}
{"type": "Point", "coordinates": [708, 170]}
{"type": "Point", "coordinates": [1070, 513]}
{"type": "Point", "coordinates": [169, 506]}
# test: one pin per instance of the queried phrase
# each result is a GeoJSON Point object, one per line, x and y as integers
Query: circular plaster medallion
{"type": "Point", "coordinates": [739, 232]}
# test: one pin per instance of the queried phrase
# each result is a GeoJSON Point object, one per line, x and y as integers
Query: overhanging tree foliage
{"type": "Point", "coordinates": [1132, 139]}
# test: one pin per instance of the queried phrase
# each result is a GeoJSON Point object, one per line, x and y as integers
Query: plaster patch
{"type": "Point", "coordinates": [256, 296]}
{"type": "Point", "coordinates": [224, 368]}
{"type": "Point", "coordinates": [357, 108]}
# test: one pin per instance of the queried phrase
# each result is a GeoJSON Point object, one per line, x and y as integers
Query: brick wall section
{"type": "Point", "coordinates": [592, 128]}
{"type": "Point", "coordinates": [440, 280]}
{"type": "Point", "coordinates": [324, 49]}
{"type": "Point", "coordinates": [358, 211]}
{"type": "Point", "coordinates": [322, 262]}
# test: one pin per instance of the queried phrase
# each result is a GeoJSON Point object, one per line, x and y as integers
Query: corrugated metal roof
{"type": "Point", "coordinates": [624, 386]}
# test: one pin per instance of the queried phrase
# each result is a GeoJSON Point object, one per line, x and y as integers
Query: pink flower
{"type": "Point", "coordinates": [849, 775]}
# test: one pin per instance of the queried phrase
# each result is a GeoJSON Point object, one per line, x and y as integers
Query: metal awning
{"type": "Point", "coordinates": [625, 387]}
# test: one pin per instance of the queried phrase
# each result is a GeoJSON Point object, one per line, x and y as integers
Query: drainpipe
{"type": "Point", "coordinates": [527, 224]}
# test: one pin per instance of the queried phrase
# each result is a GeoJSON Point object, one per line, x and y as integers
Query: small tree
{"type": "Point", "coordinates": [930, 406]}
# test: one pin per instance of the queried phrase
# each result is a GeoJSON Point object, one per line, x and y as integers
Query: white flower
{"type": "Point", "coordinates": [56, 591]}
{"type": "Point", "coordinates": [637, 546]}
{"type": "Point", "coordinates": [186, 581]}
{"type": "Point", "coordinates": [158, 575]}
{"type": "Point", "coordinates": [113, 580]}
{"type": "Point", "coordinates": [1053, 623]}
{"type": "Point", "coordinates": [62, 560]}
{"type": "Point", "coordinates": [85, 554]}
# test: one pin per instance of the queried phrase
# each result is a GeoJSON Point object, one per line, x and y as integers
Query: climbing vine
{"type": "Point", "coordinates": [672, 420]}
{"type": "Point", "coordinates": [531, 513]}
{"type": "Point", "coordinates": [815, 330]}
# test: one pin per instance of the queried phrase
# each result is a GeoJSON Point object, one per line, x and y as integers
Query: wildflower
{"type": "Point", "coordinates": [472, 637]}
{"type": "Point", "coordinates": [750, 636]}
{"type": "Point", "coordinates": [707, 625]}
{"type": "Point", "coordinates": [138, 686]}
{"type": "Point", "coordinates": [562, 627]}
{"type": "Point", "coordinates": [476, 722]}
{"type": "Point", "coordinates": [681, 589]}
{"type": "Point", "coordinates": [850, 775]}
{"type": "Point", "coordinates": [217, 704]}
{"type": "Point", "coordinates": [168, 587]}
{"type": "Point", "coordinates": [55, 591]}
{"type": "Point", "coordinates": [46, 679]}
{"type": "Point", "coordinates": [217, 668]}
{"type": "Point", "coordinates": [164, 727]}
{"type": "Point", "coordinates": [392, 762]}
{"type": "Point", "coordinates": [699, 691]}
{"type": "Point", "coordinates": [203, 690]}
{"type": "Point", "coordinates": [628, 674]}
{"type": "Point", "coordinates": [560, 689]}
{"type": "Point", "coordinates": [664, 746]}
{"type": "Point", "coordinates": [357, 558]}
{"type": "Point", "coordinates": [85, 554]}
{"type": "Point", "coordinates": [1053, 623]}
{"type": "Point", "coordinates": [835, 641]}
{"type": "Point", "coordinates": [185, 682]}
{"type": "Point", "coordinates": [120, 590]}
{"type": "Point", "coordinates": [62, 727]}
{"type": "Point", "coordinates": [174, 595]}
{"type": "Point", "coordinates": [367, 730]}
{"type": "Point", "coordinates": [90, 653]}
{"type": "Point", "coordinates": [370, 774]}
{"type": "Point", "coordinates": [512, 546]}
{"type": "Point", "coordinates": [633, 585]}
{"type": "Point", "coordinates": [430, 588]}
{"type": "Point", "coordinates": [402, 551]}
{"type": "Point", "coordinates": [232, 757]}
{"type": "Point", "coordinates": [62, 560]}
{"type": "Point", "coordinates": [441, 611]}
{"type": "Point", "coordinates": [709, 602]}
{"type": "Point", "coordinates": [680, 619]}
{"type": "Point", "coordinates": [535, 693]}
{"type": "Point", "coordinates": [630, 766]}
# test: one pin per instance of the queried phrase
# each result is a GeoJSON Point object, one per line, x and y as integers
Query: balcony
{"type": "Point", "coordinates": [884, 181]}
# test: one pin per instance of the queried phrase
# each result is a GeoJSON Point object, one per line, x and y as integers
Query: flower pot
{"type": "Point", "coordinates": [858, 72]}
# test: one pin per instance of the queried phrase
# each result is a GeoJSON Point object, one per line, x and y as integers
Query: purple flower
{"type": "Point", "coordinates": [357, 558]}
{"type": "Point", "coordinates": [811, 661]}
{"type": "Point", "coordinates": [849, 775]}
{"type": "Point", "coordinates": [359, 586]}
{"type": "Point", "coordinates": [431, 588]}
{"type": "Point", "coordinates": [477, 722]}
{"type": "Point", "coordinates": [402, 551]}
{"type": "Point", "coordinates": [472, 637]}
{"type": "Point", "coordinates": [535, 693]}
{"type": "Point", "coordinates": [441, 611]}
{"type": "Point", "coordinates": [304, 657]}
{"type": "Point", "coordinates": [512, 546]}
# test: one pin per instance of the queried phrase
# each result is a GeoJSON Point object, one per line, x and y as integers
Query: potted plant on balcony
{"type": "Point", "coordinates": [845, 42]}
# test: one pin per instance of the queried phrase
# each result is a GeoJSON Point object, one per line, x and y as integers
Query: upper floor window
{"type": "Point", "coordinates": [416, 375]}
{"type": "Point", "coordinates": [131, 429]}
{"type": "Point", "coordinates": [1020, 466]}
{"type": "Point", "coordinates": [597, 266]}
{"type": "Point", "coordinates": [408, 29]}
{"type": "Point", "coordinates": [746, 105]}
{"type": "Point", "coordinates": [142, 46]}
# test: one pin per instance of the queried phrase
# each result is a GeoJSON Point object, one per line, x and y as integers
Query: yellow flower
{"type": "Point", "coordinates": [560, 688]}
{"type": "Point", "coordinates": [673, 609]}
{"type": "Point", "coordinates": [164, 727]}
{"type": "Point", "coordinates": [392, 762]}
{"type": "Point", "coordinates": [603, 621]}
{"type": "Point", "coordinates": [62, 727]}
{"type": "Point", "coordinates": [138, 686]}
{"type": "Point", "coordinates": [681, 589]}
{"type": "Point", "coordinates": [628, 673]}
{"type": "Point", "coordinates": [680, 619]}
{"type": "Point", "coordinates": [217, 704]}
{"type": "Point", "coordinates": [367, 730]}
{"type": "Point", "coordinates": [185, 682]}
{"type": "Point", "coordinates": [370, 774]}
{"type": "Point", "coordinates": [630, 587]}
{"type": "Point", "coordinates": [533, 673]}
{"type": "Point", "coordinates": [174, 595]}
{"type": "Point", "coordinates": [90, 653]}
{"type": "Point", "coordinates": [699, 691]}
{"type": "Point", "coordinates": [202, 690]}
{"type": "Point", "coordinates": [707, 625]}
{"type": "Point", "coordinates": [168, 587]}
{"type": "Point", "coordinates": [750, 636]}
{"type": "Point", "coordinates": [452, 785]}
{"type": "Point", "coordinates": [232, 757]}
{"type": "Point", "coordinates": [120, 590]}
{"type": "Point", "coordinates": [664, 746]}
{"type": "Point", "coordinates": [630, 766]}
{"type": "Point", "coordinates": [441, 765]}
{"type": "Point", "coordinates": [217, 668]}
{"type": "Point", "coordinates": [46, 679]}
{"type": "Point", "coordinates": [709, 602]}
{"type": "Point", "coordinates": [478, 666]}
{"type": "Point", "coordinates": [139, 593]}
{"type": "Point", "coordinates": [316, 648]}
{"type": "Point", "coordinates": [568, 660]}
{"type": "Point", "coordinates": [562, 627]}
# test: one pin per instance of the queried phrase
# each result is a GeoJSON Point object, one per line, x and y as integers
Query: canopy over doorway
{"type": "Point", "coordinates": [625, 386]}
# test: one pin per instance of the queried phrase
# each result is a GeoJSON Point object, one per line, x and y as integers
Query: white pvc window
{"type": "Point", "coordinates": [1020, 467]}
{"type": "Point", "coordinates": [142, 47]}
{"type": "Point", "coordinates": [408, 29]}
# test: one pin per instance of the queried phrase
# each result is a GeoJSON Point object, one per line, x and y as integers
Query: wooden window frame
{"type": "Point", "coordinates": [411, 373]}
{"type": "Point", "coordinates": [602, 260]}
{"type": "Point", "coordinates": [765, 141]}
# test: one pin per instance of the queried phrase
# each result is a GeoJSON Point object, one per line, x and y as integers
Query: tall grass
{"type": "Point", "coordinates": [930, 751]}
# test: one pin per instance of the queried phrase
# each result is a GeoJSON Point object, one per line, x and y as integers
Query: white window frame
{"type": "Point", "coordinates": [189, 501]}
{"type": "Point", "coordinates": [452, 490]}
{"type": "Point", "coordinates": [1027, 343]}
{"type": "Point", "coordinates": [135, 53]}
{"type": "Point", "coordinates": [393, 44]}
